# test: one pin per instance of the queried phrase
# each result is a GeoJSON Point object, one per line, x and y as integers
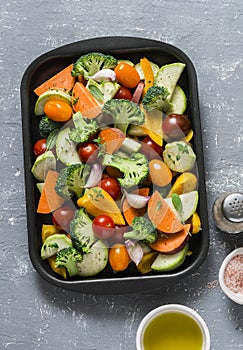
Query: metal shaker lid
{"type": "Point", "coordinates": [228, 212]}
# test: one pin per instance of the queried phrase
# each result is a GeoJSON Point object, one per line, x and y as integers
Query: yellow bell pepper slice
{"type": "Point", "coordinates": [152, 125]}
{"type": "Point", "coordinates": [97, 201]}
{"type": "Point", "coordinates": [189, 136]}
{"type": "Point", "coordinates": [145, 264]}
{"type": "Point", "coordinates": [186, 182]}
{"type": "Point", "coordinates": [196, 223]}
{"type": "Point", "coordinates": [49, 230]}
{"type": "Point", "coordinates": [148, 74]}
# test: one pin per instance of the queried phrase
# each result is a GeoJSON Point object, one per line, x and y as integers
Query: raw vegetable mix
{"type": "Point", "coordinates": [115, 167]}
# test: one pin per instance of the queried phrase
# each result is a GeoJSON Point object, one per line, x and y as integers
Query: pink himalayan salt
{"type": "Point", "coordinates": [233, 274]}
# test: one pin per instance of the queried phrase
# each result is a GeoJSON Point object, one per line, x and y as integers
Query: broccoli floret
{"type": "Point", "coordinates": [143, 230]}
{"type": "Point", "coordinates": [89, 64]}
{"type": "Point", "coordinates": [68, 257]}
{"type": "Point", "coordinates": [46, 126]}
{"type": "Point", "coordinates": [134, 168]}
{"type": "Point", "coordinates": [71, 180]}
{"type": "Point", "coordinates": [123, 112]}
{"type": "Point", "coordinates": [81, 231]}
{"type": "Point", "coordinates": [156, 98]}
{"type": "Point", "coordinates": [83, 128]}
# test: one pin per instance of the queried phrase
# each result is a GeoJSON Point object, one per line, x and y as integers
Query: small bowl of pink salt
{"type": "Point", "coordinates": [231, 275]}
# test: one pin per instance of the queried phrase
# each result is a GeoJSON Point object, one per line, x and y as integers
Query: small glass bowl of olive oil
{"type": "Point", "coordinates": [171, 327]}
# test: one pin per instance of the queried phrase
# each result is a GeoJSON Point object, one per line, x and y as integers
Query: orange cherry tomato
{"type": "Point", "coordinates": [127, 75]}
{"type": "Point", "coordinates": [159, 173]}
{"type": "Point", "coordinates": [118, 257]}
{"type": "Point", "coordinates": [58, 111]}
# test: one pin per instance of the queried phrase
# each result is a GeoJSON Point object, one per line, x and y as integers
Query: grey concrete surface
{"type": "Point", "coordinates": [36, 315]}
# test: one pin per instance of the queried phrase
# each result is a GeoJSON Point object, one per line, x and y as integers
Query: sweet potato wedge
{"type": "Point", "coordinates": [162, 216]}
{"type": "Point", "coordinates": [172, 243]}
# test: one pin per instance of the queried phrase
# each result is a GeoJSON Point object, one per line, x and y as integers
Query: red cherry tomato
{"type": "Point", "coordinates": [103, 226]}
{"type": "Point", "coordinates": [88, 152]}
{"type": "Point", "coordinates": [123, 93]}
{"type": "Point", "coordinates": [113, 172]}
{"type": "Point", "coordinates": [149, 152]}
{"type": "Point", "coordinates": [127, 75]}
{"type": "Point", "coordinates": [58, 111]}
{"type": "Point", "coordinates": [149, 142]}
{"type": "Point", "coordinates": [111, 185]}
{"type": "Point", "coordinates": [39, 147]}
{"type": "Point", "coordinates": [118, 257]}
{"type": "Point", "coordinates": [62, 217]}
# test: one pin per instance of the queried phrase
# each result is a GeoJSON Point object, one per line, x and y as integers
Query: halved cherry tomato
{"type": "Point", "coordinates": [149, 151]}
{"type": "Point", "coordinates": [123, 93]}
{"type": "Point", "coordinates": [127, 75]}
{"type": "Point", "coordinates": [113, 172]}
{"type": "Point", "coordinates": [149, 142]}
{"type": "Point", "coordinates": [39, 147]}
{"type": "Point", "coordinates": [88, 152]}
{"type": "Point", "coordinates": [118, 257]}
{"type": "Point", "coordinates": [58, 111]}
{"type": "Point", "coordinates": [62, 217]}
{"type": "Point", "coordinates": [103, 226]}
{"type": "Point", "coordinates": [111, 185]}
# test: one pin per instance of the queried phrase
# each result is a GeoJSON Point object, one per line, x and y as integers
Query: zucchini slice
{"type": "Point", "coordinates": [43, 163]}
{"type": "Point", "coordinates": [169, 262]}
{"type": "Point", "coordinates": [95, 261]}
{"type": "Point", "coordinates": [178, 101]}
{"type": "Point", "coordinates": [66, 148]}
{"type": "Point", "coordinates": [53, 244]}
{"type": "Point", "coordinates": [55, 95]}
{"type": "Point", "coordinates": [168, 76]}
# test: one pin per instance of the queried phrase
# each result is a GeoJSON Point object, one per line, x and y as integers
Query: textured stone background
{"type": "Point", "coordinates": [36, 315]}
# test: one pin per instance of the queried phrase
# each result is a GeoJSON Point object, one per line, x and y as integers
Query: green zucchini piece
{"type": "Point", "coordinates": [178, 101]}
{"type": "Point", "coordinates": [95, 261]}
{"type": "Point", "coordinates": [168, 76]}
{"type": "Point", "coordinates": [42, 165]}
{"type": "Point", "coordinates": [54, 95]}
{"type": "Point", "coordinates": [66, 149]}
{"type": "Point", "coordinates": [169, 262]}
{"type": "Point", "coordinates": [53, 244]}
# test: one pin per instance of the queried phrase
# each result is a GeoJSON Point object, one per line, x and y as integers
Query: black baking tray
{"type": "Point", "coordinates": [122, 48]}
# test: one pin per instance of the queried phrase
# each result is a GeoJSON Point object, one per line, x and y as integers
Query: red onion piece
{"type": "Point", "coordinates": [136, 200]}
{"type": "Point", "coordinates": [134, 250]}
{"type": "Point", "coordinates": [138, 92]}
{"type": "Point", "coordinates": [94, 176]}
{"type": "Point", "coordinates": [104, 75]}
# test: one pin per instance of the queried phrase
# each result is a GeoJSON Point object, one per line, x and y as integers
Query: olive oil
{"type": "Point", "coordinates": [172, 331]}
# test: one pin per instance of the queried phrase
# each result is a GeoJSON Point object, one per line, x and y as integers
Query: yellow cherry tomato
{"type": "Point", "coordinates": [159, 173]}
{"type": "Point", "coordinates": [118, 257]}
{"type": "Point", "coordinates": [127, 75]}
{"type": "Point", "coordinates": [58, 111]}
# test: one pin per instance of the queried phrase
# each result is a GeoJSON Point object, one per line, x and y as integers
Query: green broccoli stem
{"type": "Point", "coordinates": [72, 268]}
{"type": "Point", "coordinates": [136, 235]}
{"type": "Point", "coordinates": [68, 258]}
